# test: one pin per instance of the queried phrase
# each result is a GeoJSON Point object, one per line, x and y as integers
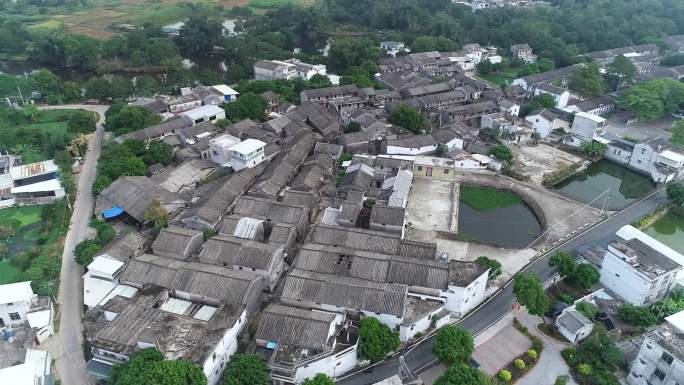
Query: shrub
{"type": "Point", "coordinates": [584, 369]}
{"type": "Point", "coordinates": [519, 363]}
{"type": "Point", "coordinates": [505, 375]}
{"type": "Point", "coordinates": [453, 344]}
{"type": "Point", "coordinates": [532, 354]}
{"type": "Point", "coordinates": [376, 340]}
{"type": "Point", "coordinates": [562, 380]}
{"type": "Point", "coordinates": [587, 309]}
{"type": "Point", "coordinates": [85, 251]}
{"type": "Point", "coordinates": [537, 343]}
{"type": "Point", "coordinates": [637, 316]}
{"type": "Point", "coordinates": [565, 297]}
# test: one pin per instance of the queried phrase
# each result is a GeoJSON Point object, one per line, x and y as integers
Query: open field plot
{"type": "Point", "coordinates": [20, 227]}
{"type": "Point", "coordinates": [501, 78]}
{"type": "Point", "coordinates": [535, 161]}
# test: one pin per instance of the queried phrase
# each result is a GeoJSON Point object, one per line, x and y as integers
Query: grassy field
{"type": "Point", "coordinates": [502, 78]}
{"type": "Point", "coordinates": [9, 273]}
{"type": "Point", "coordinates": [26, 215]}
{"type": "Point", "coordinates": [487, 198]}
{"type": "Point", "coordinates": [98, 19]}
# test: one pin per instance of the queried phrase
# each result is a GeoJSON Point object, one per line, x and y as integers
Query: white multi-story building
{"type": "Point", "coordinates": [653, 159]}
{"type": "Point", "coordinates": [229, 151]}
{"type": "Point", "coordinates": [637, 272]}
{"type": "Point", "coordinates": [287, 70]}
{"type": "Point", "coordinates": [36, 182]}
{"type": "Point", "coordinates": [661, 357]}
{"type": "Point", "coordinates": [585, 127]}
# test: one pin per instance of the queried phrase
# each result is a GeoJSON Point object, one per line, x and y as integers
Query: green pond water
{"type": "Point", "coordinates": [670, 231]}
{"type": "Point", "coordinates": [625, 185]}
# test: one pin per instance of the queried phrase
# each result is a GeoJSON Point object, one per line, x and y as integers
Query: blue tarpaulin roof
{"type": "Point", "coordinates": [112, 212]}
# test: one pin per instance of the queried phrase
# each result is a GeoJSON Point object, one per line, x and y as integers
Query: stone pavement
{"type": "Point", "coordinates": [551, 363]}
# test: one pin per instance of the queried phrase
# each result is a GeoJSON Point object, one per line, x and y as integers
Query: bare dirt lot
{"type": "Point", "coordinates": [535, 161]}
{"type": "Point", "coordinates": [429, 207]}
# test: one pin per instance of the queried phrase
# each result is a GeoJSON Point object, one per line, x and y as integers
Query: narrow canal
{"type": "Point", "coordinates": [624, 185]}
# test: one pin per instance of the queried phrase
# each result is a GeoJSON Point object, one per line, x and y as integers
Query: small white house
{"type": "Point", "coordinates": [15, 302]}
{"type": "Point", "coordinates": [560, 95]}
{"type": "Point", "coordinates": [36, 370]}
{"type": "Point", "coordinates": [573, 325]}
{"type": "Point", "coordinates": [585, 127]}
{"type": "Point", "coordinates": [247, 154]}
{"type": "Point", "coordinates": [208, 113]}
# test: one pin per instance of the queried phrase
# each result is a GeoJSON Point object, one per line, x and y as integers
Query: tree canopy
{"type": "Point", "coordinates": [453, 345]}
{"type": "Point", "coordinates": [319, 379]}
{"type": "Point", "coordinates": [462, 374]}
{"type": "Point", "coordinates": [409, 118]}
{"type": "Point", "coordinates": [149, 367]}
{"type": "Point", "coordinates": [653, 99]}
{"type": "Point", "coordinates": [246, 369]}
{"type": "Point", "coordinates": [494, 266]}
{"type": "Point", "coordinates": [530, 293]}
{"type": "Point", "coordinates": [587, 81]}
{"type": "Point", "coordinates": [621, 72]}
{"type": "Point", "coordinates": [199, 35]}
{"type": "Point", "coordinates": [376, 340]}
{"type": "Point", "coordinates": [502, 153]}
{"type": "Point", "coordinates": [123, 118]}
{"type": "Point", "coordinates": [580, 275]}
{"type": "Point", "coordinates": [247, 106]}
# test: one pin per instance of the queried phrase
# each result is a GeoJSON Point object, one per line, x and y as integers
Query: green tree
{"type": "Point", "coordinates": [98, 88]}
{"type": "Point", "coordinates": [122, 87]}
{"type": "Point", "coordinates": [409, 118]}
{"type": "Point", "coordinates": [156, 215]}
{"type": "Point", "coordinates": [86, 251]}
{"type": "Point", "coordinates": [564, 262]}
{"type": "Point", "coordinates": [348, 52]}
{"type": "Point", "coordinates": [562, 380]}
{"type": "Point", "coordinates": [587, 309]}
{"type": "Point", "coordinates": [376, 340]}
{"type": "Point", "coordinates": [199, 35]}
{"type": "Point", "coordinates": [494, 266]}
{"type": "Point", "coordinates": [81, 122]}
{"type": "Point", "coordinates": [593, 148]}
{"type": "Point", "coordinates": [636, 315]}
{"type": "Point", "coordinates": [587, 80]}
{"type": "Point", "coordinates": [585, 276]}
{"type": "Point", "coordinates": [584, 369]}
{"type": "Point", "coordinates": [502, 153]}
{"type": "Point", "coordinates": [427, 43]}
{"type": "Point", "coordinates": [247, 106]}
{"type": "Point", "coordinates": [352, 127]}
{"type": "Point", "coordinates": [319, 379]}
{"type": "Point", "coordinates": [673, 60]}
{"type": "Point", "coordinates": [462, 374]}
{"type": "Point", "coordinates": [146, 86]}
{"type": "Point", "coordinates": [453, 344]}
{"type": "Point", "coordinates": [538, 102]}
{"type": "Point", "coordinates": [246, 369]}
{"type": "Point", "coordinates": [158, 152]}
{"type": "Point", "coordinates": [130, 118]}
{"type": "Point", "coordinates": [530, 293]}
{"type": "Point", "coordinates": [653, 99]}
{"type": "Point", "coordinates": [621, 72]}
{"type": "Point", "coordinates": [484, 67]}
{"type": "Point", "coordinates": [675, 193]}
{"type": "Point", "coordinates": [148, 366]}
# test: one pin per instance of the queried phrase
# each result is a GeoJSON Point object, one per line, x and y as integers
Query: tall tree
{"type": "Point", "coordinates": [246, 369]}
{"type": "Point", "coordinates": [530, 293]}
{"type": "Point", "coordinates": [247, 106]}
{"type": "Point", "coordinates": [453, 345]}
{"type": "Point", "coordinates": [621, 72]}
{"type": "Point", "coordinates": [376, 340]}
{"type": "Point", "coordinates": [409, 118]}
{"type": "Point", "coordinates": [462, 374]}
{"type": "Point", "coordinates": [319, 379]}
{"type": "Point", "coordinates": [148, 365]}
{"type": "Point", "coordinates": [199, 35]}
{"type": "Point", "coordinates": [587, 80]}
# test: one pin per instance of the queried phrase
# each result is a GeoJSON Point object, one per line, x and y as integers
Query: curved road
{"type": "Point", "coordinates": [66, 346]}
{"type": "Point", "coordinates": [419, 357]}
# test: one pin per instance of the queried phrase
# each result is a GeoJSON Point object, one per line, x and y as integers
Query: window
{"type": "Point", "coordinates": [446, 171]}
{"type": "Point", "coordinates": [659, 374]}
{"type": "Point", "coordinates": [420, 168]}
{"type": "Point", "coordinates": [667, 358]}
{"type": "Point", "coordinates": [14, 316]}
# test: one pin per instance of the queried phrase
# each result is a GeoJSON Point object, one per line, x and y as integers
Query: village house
{"type": "Point", "coordinates": [36, 370]}
{"type": "Point", "coordinates": [653, 158]}
{"type": "Point", "coordinates": [158, 131]}
{"type": "Point", "coordinates": [288, 70]}
{"type": "Point", "coordinates": [179, 243]}
{"type": "Point", "coordinates": [546, 121]}
{"type": "Point", "coordinates": [637, 272]}
{"type": "Point", "coordinates": [661, 355]}
{"type": "Point", "coordinates": [560, 95]}
{"type": "Point", "coordinates": [585, 127]}
{"type": "Point", "coordinates": [558, 77]}
{"type": "Point", "coordinates": [207, 113]}
{"type": "Point", "coordinates": [523, 52]}
{"type": "Point", "coordinates": [412, 145]}
{"type": "Point", "coordinates": [392, 48]}
{"type": "Point", "coordinates": [573, 325]}
{"type": "Point", "coordinates": [35, 183]}
{"type": "Point", "coordinates": [173, 297]}
{"type": "Point", "coordinates": [302, 343]}
{"type": "Point", "coordinates": [447, 168]}
{"type": "Point", "coordinates": [596, 106]}
{"type": "Point", "coordinates": [21, 308]}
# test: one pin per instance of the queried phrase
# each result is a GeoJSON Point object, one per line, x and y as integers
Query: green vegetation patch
{"type": "Point", "coordinates": [265, 4]}
{"type": "Point", "coordinates": [501, 78]}
{"type": "Point", "coordinates": [25, 215]}
{"type": "Point", "coordinates": [488, 198]}
{"type": "Point", "coordinates": [9, 273]}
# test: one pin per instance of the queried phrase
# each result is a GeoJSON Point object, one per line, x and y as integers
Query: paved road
{"type": "Point", "coordinates": [66, 347]}
{"type": "Point", "coordinates": [420, 357]}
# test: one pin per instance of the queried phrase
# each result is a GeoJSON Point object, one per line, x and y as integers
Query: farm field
{"type": "Point", "coordinates": [99, 20]}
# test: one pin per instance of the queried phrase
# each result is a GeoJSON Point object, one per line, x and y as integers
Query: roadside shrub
{"type": "Point", "coordinates": [565, 297]}
{"type": "Point", "coordinates": [537, 343]}
{"type": "Point", "coordinates": [519, 363]}
{"type": "Point", "coordinates": [85, 251]}
{"type": "Point", "coordinates": [562, 380]}
{"type": "Point", "coordinates": [505, 375]}
{"type": "Point", "coordinates": [532, 354]}
{"type": "Point", "coordinates": [584, 369]}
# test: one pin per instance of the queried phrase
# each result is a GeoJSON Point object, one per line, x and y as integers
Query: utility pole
{"type": "Point", "coordinates": [21, 96]}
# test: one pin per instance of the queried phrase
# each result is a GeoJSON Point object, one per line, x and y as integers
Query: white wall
{"type": "Point", "coordinates": [642, 157]}
{"type": "Point", "coordinates": [239, 163]}
{"type": "Point", "coordinates": [584, 127]}
{"type": "Point", "coordinates": [461, 300]}
{"type": "Point", "coordinates": [617, 155]}
{"type": "Point", "coordinates": [650, 358]}
{"type": "Point", "coordinates": [540, 125]}
{"type": "Point", "coordinates": [216, 361]}
{"type": "Point", "coordinates": [393, 150]}
{"type": "Point", "coordinates": [180, 107]}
